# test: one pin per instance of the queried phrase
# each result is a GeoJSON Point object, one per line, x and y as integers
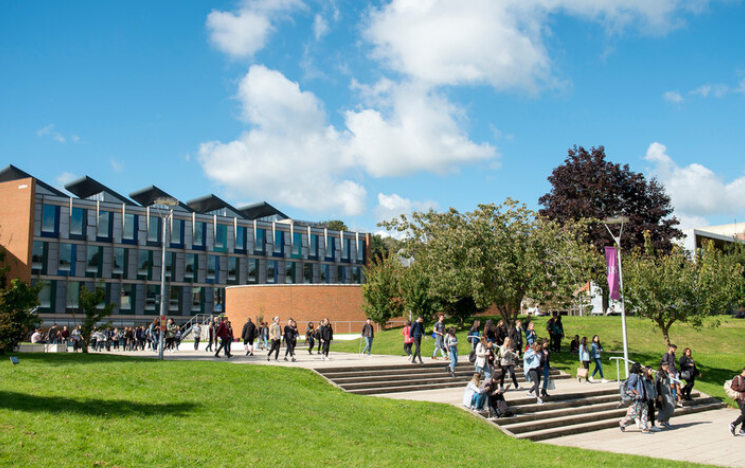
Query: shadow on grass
{"type": "Point", "coordinates": [90, 406]}
{"type": "Point", "coordinates": [75, 358]}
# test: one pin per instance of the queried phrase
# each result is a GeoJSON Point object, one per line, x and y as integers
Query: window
{"type": "Point", "coordinates": [197, 297]}
{"type": "Point", "coordinates": [153, 230]}
{"type": "Point", "coordinates": [129, 230]}
{"type": "Point", "coordinates": [356, 275]}
{"type": "Point", "coordinates": [78, 217]}
{"type": "Point", "coordinates": [232, 270]}
{"type": "Point", "coordinates": [290, 272]}
{"type": "Point", "coordinates": [199, 235]}
{"type": "Point", "coordinates": [271, 271]}
{"type": "Point", "coordinates": [252, 276]}
{"type": "Point", "coordinates": [45, 296]}
{"type": "Point", "coordinates": [308, 273]}
{"type": "Point", "coordinates": [340, 277]}
{"type": "Point", "coordinates": [221, 238]}
{"type": "Point", "coordinates": [260, 239]}
{"type": "Point", "coordinates": [174, 298]}
{"type": "Point", "coordinates": [145, 263]}
{"type": "Point", "coordinates": [50, 220]}
{"type": "Point", "coordinates": [297, 245]}
{"type": "Point", "coordinates": [66, 258]}
{"type": "Point", "coordinates": [325, 273]}
{"type": "Point", "coordinates": [73, 294]}
{"type": "Point", "coordinates": [240, 239]}
{"type": "Point", "coordinates": [361, 251]}
{"type": "Point", "coordinates": [346, 247]}
{"type": "Point", "coordinates": [37, 256]}
{"type": "Point", "coordinates": [117, 264]}
{"type": "Point", "coordinates": [152, 292]}
{"type": "Point", "coordinates": [279, 244]}
{"type": "Point", "coordinates": [177, 232]}
{"type": "Point", "coordinates": [93, 255]}
{"type": "Point", "coordinates": [218, 299]}
{"type": "Point", "coordinates": [126, 299]}
{"type": "Point", "coordinates": [191, 265]}
{"type": "Point", "coordinates": [170, 261]}
{"type": "Point", "coordinates": [330, 247]}
{"type": "Point", "coordinates": [313, 250]}
{"type": "Point", "coordinates": [104, 225]}
{"type": "Point", "coordinates": [213, 268]}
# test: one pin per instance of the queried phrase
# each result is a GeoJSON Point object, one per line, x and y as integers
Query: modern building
{"type": "Point", "coordinates": [722, 235]}
{"type": "Point", "coordinates": [98, 236]}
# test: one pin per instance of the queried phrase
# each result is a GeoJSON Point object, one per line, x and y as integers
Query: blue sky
{"type": "Point", "coordinates": [359, 111]}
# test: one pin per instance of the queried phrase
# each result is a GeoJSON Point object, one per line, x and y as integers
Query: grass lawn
{"type": "Point", "coordinates": [718, 352]}
{"type": "Point", "coordinates": [73, 410]}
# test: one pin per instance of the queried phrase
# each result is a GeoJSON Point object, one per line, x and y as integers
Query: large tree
{"type": "Point", "coordinates": [671, 287]}
{"type": "Point", "coordinates": [18, 303]}
{"type": "Point", "coordinates": [497, 255]}
{"type": "Point", "coordinates": [382, 290]}
{"type": "Point", "coordinates": [589, 187]}
{"type": "Point", "coordinates": [94, 310]}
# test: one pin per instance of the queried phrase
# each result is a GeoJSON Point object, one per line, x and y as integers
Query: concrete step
{"type": "Point", "coordinates": [413, 376]}
{"type": "Point", "coordinates": [411, 385]}
{"type": "Point", "coordinates": [525, 404]}
{"type": "Point", "coordinates": [337, 373]}
{"type": "Point", "coordinates": [554, 413]}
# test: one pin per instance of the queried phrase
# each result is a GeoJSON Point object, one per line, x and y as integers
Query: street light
{"type": "Point", "coordinates": [165, 202]}
{"type": "Point", "coordinates": [617, 239]}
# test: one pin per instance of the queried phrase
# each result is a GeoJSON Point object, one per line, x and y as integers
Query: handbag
{"type": "Point", "coordinates": [551, 385]}
{"type": "Point", "coordinates": [685, 375]}
{"type": "Point", "coordinates": [582, 372]}
{"type": "Point", "coordinates": [472, 355]}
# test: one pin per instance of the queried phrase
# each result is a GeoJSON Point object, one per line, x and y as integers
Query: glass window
{"type": "Point", "coordinates": [218, 299]}
{"type": "Point", "coordinates": [221, 238]}
{"type": "Point", "coordinates": [347, 247]}
{"type": "Point", "coordinates": [308, 273]}
{"type": "Point", "coordinates": [174, 298]}
{"type": "Point", "coordinates": [313, 251]}
{"type": "Point", "coordinates": [129, 230]}
{"type": "Point", "coordinates": [77, 222]}
{"type": "Point", "coordinates": [232, 269]}
{"type": "Point", "coordinates": [260, 240]}
{"type": "Point", "coordinates": [330, 247]}
{"type": "Point", "coordinates": [177, 232]}
{"type": "Point", "coordinates": [104, 227]}
{"type": "Point", "coordinates": [196, 298]}
{"type": "Point", "coordinates": [199, 234]}
{"type": "Point", "coordinates": [361, 251]}
{"type": "Point", "coordinates": [290, 272]}
{"type": "Point", "coordinates": [151, 296]}
{"type": "Point", "coordinates": [271, 271]}
{"type": "Point", "coordinates": [279, 242]}
{"type": "Point", "coordinates": [144, 262]}
{"type": "Point", "coordinates": [125, 302]}
{"type": "Point", "coordinates": [49, 219]}
{"type": "Point", "coordinates": [253, 271]}
{"type": "Point", "coordinates": [73, 294]}
{"type": "Point", "coordinates": [357, 275]}
{"type": "Point", "coordinates": [65, 257]}
{"type": "Point", "coordinates": [340, 274]}
{"type": "Point", "coordinates": [93, 254]}
{"type": "Point", "coordinates": [117, 265]}
{"type": "Point", "coordinates": [153, 231]}
{"type": "Point", "coordinates": [240, 239]}
{"type": "Point", "coordinates": [191, 265]}
{"type": "Point", "coordinates": [297, 245]}
{"type": "Point", "coordinates": [37, 256]}
{"type": "Point", "coordinates": [324, 273]}
{"type": "Point", "coordinates": [170, 260]}
{"type": "Point", "coordinates": [213, 265]}
{"type": "Point", "coordinates": [45, 296]}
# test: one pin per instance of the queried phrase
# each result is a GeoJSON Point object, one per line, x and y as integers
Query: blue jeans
{"type": "Point", "coordinates": [440, 346]}
{"type": "Point", "coordinates": [477, 401]}
{"type": "Point", "coordinates": [546, 377]}
{"type": "Point", "coordinates": [368, 345]}
{"type": "Point", "coordinates": [453, 357]}
{"type": "Point", "coordinates": [598, 367]}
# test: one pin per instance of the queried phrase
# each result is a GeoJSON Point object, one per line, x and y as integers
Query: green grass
{"type": "Point", "coordinates": [107, 411]}
{"type": "Point", "coordinates": [718, 352]}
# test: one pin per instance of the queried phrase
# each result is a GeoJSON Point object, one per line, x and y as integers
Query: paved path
{"type": "Point", "coordinates": [700, 437]}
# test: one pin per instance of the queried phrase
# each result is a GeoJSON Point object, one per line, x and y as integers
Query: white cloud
{"type": "Point", "coordinates": [64, 178]}
{"type": "Point", "coordinates": [502, 43]}
{"type": "Point", "coordinates": [49, 132]}
{"type": "Point", "coordinates": [117, 166]}
{"type": "Point", "coordinates": [393, 205]}
{"type": "Point", "coordinates": [243, 33]}
{"type": "Point", "coordinates": [320, 27]}
{"type": "Point", "coordinates": [74, 138]}
{"type": "Point", "coordinates": [695, 190]}
{"type": "Point", "coordinates": [673, 97]}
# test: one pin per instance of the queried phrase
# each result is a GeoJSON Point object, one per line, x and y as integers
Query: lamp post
{"type": "Point", "coordinates": [617, 239]}
{"type": "Point", "coordinates": [166, 202]}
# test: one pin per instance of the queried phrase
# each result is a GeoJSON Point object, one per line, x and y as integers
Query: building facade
{"type": "Point", "coordinates": [98, 236]}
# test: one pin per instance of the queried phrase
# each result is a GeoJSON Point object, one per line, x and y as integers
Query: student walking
{"type": "Point", "coordinates": [368, 333]}
{"type": "Point", "coordinates": [665, 400]}
{"type": "Point", "coordinates": [291, 335]}
{"type": "Point", "coordinates": [439, 334]}
{"type": "Point", "coordinates": [672, 362]}
{"type": "Point", "coordinates": [224, 334]}
{"type": "Point", "coordinates": [530, 336]}
{"type": "Point", "coordinates": [326, 334]}
{"type": "Point", "coordinates": [211, 336]}
{"type": "Point", "coordinates": [532, 368]}
{"type": "Point", "coordinates": [738, 385]}
{"type": "Point", "coordinates": [651, 392]}
{"type": "Point", "coordinates": [584, 359]}
{"type": "Point", "coordinates": [688, 372]}
{"type": "Point", "coordinates": [451, 341]}
{"type": "Point", "coordinates": [596, 354]}
{"type": "Point", "coordinates": [197, 336]}
{"type": "Point", "coordinates": [638, 408]}
{"type": "Point", "coordinates": [408, 340]}
{"type": "Point", "coordinates": [546, 366]}
{"type": "Point", "coordinates": [417, 332]}
{"type": "Point", "coordinates": [508, 362]}
{"type": "Point", "coordinates": [248, 334]}
{"type": "Point", "coordinates": [275, 337]}
{"type": "Point", "coordinates": [310, 336]}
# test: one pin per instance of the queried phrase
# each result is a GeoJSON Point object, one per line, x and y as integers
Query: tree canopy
{"type": "Point", "coordinates": [334, 225]}
{"type": "Point", "coordinates": [17, 308]}
{"type": "Point", "coordinates": [589, 187]}
{"type": "Point", "coordinates": [94, 310]}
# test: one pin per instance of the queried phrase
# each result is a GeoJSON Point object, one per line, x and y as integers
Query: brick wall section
{"type": "Point", "coordinates": [16, 225]}
{"type": "Point", "coordinates": [302, 302]}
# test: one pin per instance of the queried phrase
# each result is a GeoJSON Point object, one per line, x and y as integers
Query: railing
{"type": "Point", "coordinates": [188, 327]}
{"type": "Point", "coordinates": [618, 360]}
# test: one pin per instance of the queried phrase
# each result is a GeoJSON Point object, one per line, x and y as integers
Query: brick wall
{"type": "Point", "coordinates": [302, 302]}
{"type": "Point", "coordinates": [16, 225]}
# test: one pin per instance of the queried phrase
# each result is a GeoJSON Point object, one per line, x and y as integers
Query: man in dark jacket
{"type": "Point", "coordinates": [368, 334]}
{"type": "Point", "coordinates": [417, 332]}
{"type": "Point", "coordinates": [325, 335]}
{"type": "Point", "coordinates": [669, 359]}
{"type": "Point", "coordinates": [249, 335]}
{"type": "Point", "coordinates": [223, 334]}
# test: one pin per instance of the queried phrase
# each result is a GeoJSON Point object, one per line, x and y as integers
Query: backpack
{"type": "Point", "coordinates": [472, 355]}
{"type": "Point", "coordinates": [732, 393]}
{"type": "Point", "coordinates": [627, 396]}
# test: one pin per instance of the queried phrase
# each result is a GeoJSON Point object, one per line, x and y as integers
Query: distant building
{"type": "Point", "coordinates": [100, 236]}
{"type": "Point", "coordinates": [721, 236]}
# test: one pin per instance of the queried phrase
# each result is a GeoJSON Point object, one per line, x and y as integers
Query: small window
{"type": "Point", "coordinates": [73, 294]}
{"type": "Point", "coordinates": [78, 217]}
{"type": "Point", "coordinates": [213, 266]}
{"type": "Point", "coordinates": [279, 242]}
{"type": "Point", "coordinates": [174, 298]}
{"type": "Point", "coordinates": [104, 225]}
{"type": "Point", "coordinates": [313, 250]}
{"type": "Point", "coordinates": [271, 271]}
{"type": "Point", "coordinates": [297, 245]}
{"type": "Point", "coordinates": [308, 273]}
{"type": "Point", "coordinates": [346, 247]}
{"type": "Point", "coordinates": [125, 301]}
{"type": "Point", "coordinates": [92, 259]}
{"type": "Point", "coordinates": [170, 260]}
{"type": "Point", "coordinates": [289, 272]}
{"type": "Point", "coordinates": [340, 271]}
{"type": "Point", "coordinates": [325, 274]}
{"type": "Point", "coordinates": [144, 262]}
{"type": "Point", "coordinates": [260, 241]}
{"type": "Point", "coordinates": [330, 247]}
{"type": "Point", "coordinates": [129, 230]}
{"type": "Point", "coordinates": [50, 219]}
{"type": "Point", "coordinates": [177, 232]}
{"type": "Point", "coordinates": [45, 296]}
{"type": "Point", "coordinates": [37, 256]}
{"type": "Point", "coordinates": [232, 270]}
{"type": "Point", "coordinates": [221, 238]}
{"type": "Point", "coordinates": [240, 239]}
{"type": "Point", "coordinates": [191, 265]}
{"type": "Point", "coordinates": [117, 265]}
{"type": "Point", "coordinates": [361, 251]}
{"type": "Point", "coordinates": [199, 234]}
{"type": "Point", "coordinates": [151, 296]}
{"type": "Point", "coordinates": [218, 299]}
{"type": "Point", "coordinates": [197, 297]}
{"type": "Point", "coordinates": [252, 276]}
{"type": "Point", "coordinates": [153, 231]}
{"type": "Point", "coordinates": [65, 257]}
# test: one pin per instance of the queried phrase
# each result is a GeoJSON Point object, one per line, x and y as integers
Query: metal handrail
{"type": "Point", "coordinates": [618, 360]}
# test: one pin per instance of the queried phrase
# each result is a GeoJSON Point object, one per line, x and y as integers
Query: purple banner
{"type": "Point", "coordinates": [611, 259]}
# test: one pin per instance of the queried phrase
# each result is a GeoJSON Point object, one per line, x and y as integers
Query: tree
{"type": "Point", "coordinates": [89, 303]}
{"type": "Point", "coordinates": [416, 291]}
{"type": "Point", "coordinates": [498, 255]}
{"type": "Point", "coordinates": [334, 225]}
{"type": "Point", "coordinates": [381, 246]}
{"type": "Point", "coordinates": [588, 187]}
{"type": "Point", "coordinates": [381, 291]}
{"type": "Point", "coordinates": [17, 308]}
{"type": "Point", "coordinates": [671, 287]}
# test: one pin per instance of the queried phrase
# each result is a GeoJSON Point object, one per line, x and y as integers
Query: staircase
{"type": "Point", "coordinates": [579, 411]}
{"type": "Point", "coordinates": [378, 380]}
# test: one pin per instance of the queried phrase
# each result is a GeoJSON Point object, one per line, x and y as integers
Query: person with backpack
{"type": "Point", "coordinates": [651, 389]}
{"type": "Point", "coordinates": [672, 362]}
{"type": "Point", "coordinates": [291, 335]}
{"type": "Point", "coordinates": [738, 385]}
{"type": "Point", "coordinates": [408, 340]}
{"type": "Point", "coordinates": [665, 399]}
{"type": "Point", "coordinates": [596, 353]}
{"type": "Point", "coordinates": [634, 389]}
{"type": "Point", "coordinates": [417, 332]}
{"type": "Point", "coordinates": [248, 334]}
{"type": "Point", "coordinates": [557, 333]}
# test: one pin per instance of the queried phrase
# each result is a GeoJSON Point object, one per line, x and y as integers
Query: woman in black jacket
{"type": "Point", "coordinates": [326, 334]}
{"type": "Point", "coordinates": [291, 335]}
{"type": "Point", "coordinates": [688, 372]}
